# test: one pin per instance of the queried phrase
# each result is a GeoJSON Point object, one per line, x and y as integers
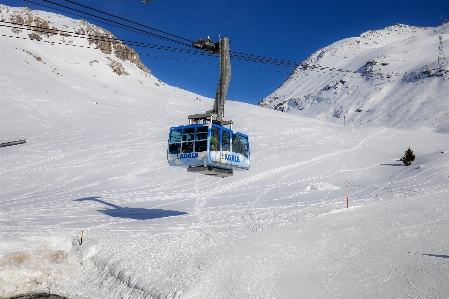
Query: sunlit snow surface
{"type": "Point", "coordinates": [95, 161]}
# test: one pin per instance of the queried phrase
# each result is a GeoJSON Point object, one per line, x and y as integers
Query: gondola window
{"type": "Point", "coordinates": [201, 139]}
{"type": "Point", "coordinates": [214, 139]}
{"type": "Point", "coordinates": [226, 141]}
{"type": "Point", "coordinates": [175, 141]}
{"type": "Point", "coordinates": [188, 140]}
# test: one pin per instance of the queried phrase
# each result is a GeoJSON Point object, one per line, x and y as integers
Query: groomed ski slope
{"type": "Point", "coordinates": [95, 161]}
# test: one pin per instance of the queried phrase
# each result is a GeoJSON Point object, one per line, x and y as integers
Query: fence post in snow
{"type": "Point", "coordinates": [82, 236]}
{"type": "Point", "coordinates": [347, 199]}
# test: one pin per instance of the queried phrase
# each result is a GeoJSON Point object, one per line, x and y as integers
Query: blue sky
{"type": "Point", "coordinates": [283, 29]}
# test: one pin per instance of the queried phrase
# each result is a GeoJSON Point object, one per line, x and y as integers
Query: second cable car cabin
{"type": "Point", "coordinates": [208, 149]}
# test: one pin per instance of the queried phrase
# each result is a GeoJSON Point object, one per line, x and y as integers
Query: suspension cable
{"type": "Point", "coordinates": [123, 19]}
{"type": "Point", "coordinates": [122, 25]}
{"type": "Point", "coordinates": [235, 55]}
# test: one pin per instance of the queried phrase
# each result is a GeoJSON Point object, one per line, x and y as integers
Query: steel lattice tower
{"type": "Point", "coordinates": [441, 57]}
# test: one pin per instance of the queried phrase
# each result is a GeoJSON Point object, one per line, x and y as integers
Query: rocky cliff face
{"type": "Point", "coordinates": [109, 44]}
{"type": "Point", "coordinates": [67, 31]}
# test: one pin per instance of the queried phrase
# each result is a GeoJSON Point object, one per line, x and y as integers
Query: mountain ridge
{"type": "Point", "coordinates": [371, 79]}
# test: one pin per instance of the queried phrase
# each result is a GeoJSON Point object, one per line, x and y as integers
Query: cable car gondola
{"type": "Point", "coordinates": [209, 147]}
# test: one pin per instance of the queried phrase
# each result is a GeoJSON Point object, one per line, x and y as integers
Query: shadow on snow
{"type": "Point", "coordinates": [132, 213]}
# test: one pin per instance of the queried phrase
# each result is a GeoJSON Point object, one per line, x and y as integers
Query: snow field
{"type": "Point", "coordinates": [95, 161]}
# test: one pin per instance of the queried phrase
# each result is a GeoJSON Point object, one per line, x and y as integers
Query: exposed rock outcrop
{"type": "Point", "coordinates": [39, 28]}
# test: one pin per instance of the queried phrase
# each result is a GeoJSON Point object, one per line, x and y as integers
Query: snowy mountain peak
{"type": "Point", "coordinates": [394, 77]}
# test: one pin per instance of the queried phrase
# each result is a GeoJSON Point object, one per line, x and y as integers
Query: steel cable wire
{"type": "Point", "coordinates": [120, 24]}
{"type": "Point", "coordinates": [123, 19]}
{"type": "Point", "coordinates": [236, 55]}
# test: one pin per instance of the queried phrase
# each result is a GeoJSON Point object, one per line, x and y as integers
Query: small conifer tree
{"type": "Point", "coordinates": [408, 157]}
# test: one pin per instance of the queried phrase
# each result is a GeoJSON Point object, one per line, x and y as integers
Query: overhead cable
{"type": "Point", "coordinates": [149, 55]}
{"type": "Point", "coordinates": [236, 55]}
{"type": "Point", "coordinates": [123, 25]}
{"type": "Point", "coordinates": [123, 19]}
{"type": "Point", "coordinates": [91, 37]}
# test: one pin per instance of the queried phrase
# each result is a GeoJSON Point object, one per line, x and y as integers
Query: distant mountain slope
{"type": "Point", "coordinates": [394, 77]}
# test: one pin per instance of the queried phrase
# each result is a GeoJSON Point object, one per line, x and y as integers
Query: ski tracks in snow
{"type": "Point", "coordinates": [254, 220]}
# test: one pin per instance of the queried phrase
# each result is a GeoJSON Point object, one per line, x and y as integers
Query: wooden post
{"type": "Point", "coordinates": [344, 123]}
{"type": "Point", "coordinates": [5, 144]}
{"type": "Point", "coordinates": [347, 199]}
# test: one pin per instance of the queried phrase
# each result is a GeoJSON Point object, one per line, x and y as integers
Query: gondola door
{"type": "Point", "coordinates": [220, 145]}
{"type": "Point", "coordinates": [215, 144]}
{"type": "Point", "coordinates": [226, 155]}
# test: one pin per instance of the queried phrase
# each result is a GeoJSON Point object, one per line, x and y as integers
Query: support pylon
{"type": "Point", "coordinates": [441, 57]}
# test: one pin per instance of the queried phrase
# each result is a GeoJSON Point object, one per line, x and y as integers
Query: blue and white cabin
{"type": "Point", "coordinates": [209, 149]}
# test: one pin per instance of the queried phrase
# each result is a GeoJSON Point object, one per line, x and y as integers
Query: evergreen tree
{"type": "Point", "coordinates": [408, 158]}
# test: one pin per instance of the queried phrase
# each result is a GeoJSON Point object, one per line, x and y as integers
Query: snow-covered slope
{"type": "Point", "coordinates": [394, 77]}
{"type": "Point", "coordinates": [95, 161]}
